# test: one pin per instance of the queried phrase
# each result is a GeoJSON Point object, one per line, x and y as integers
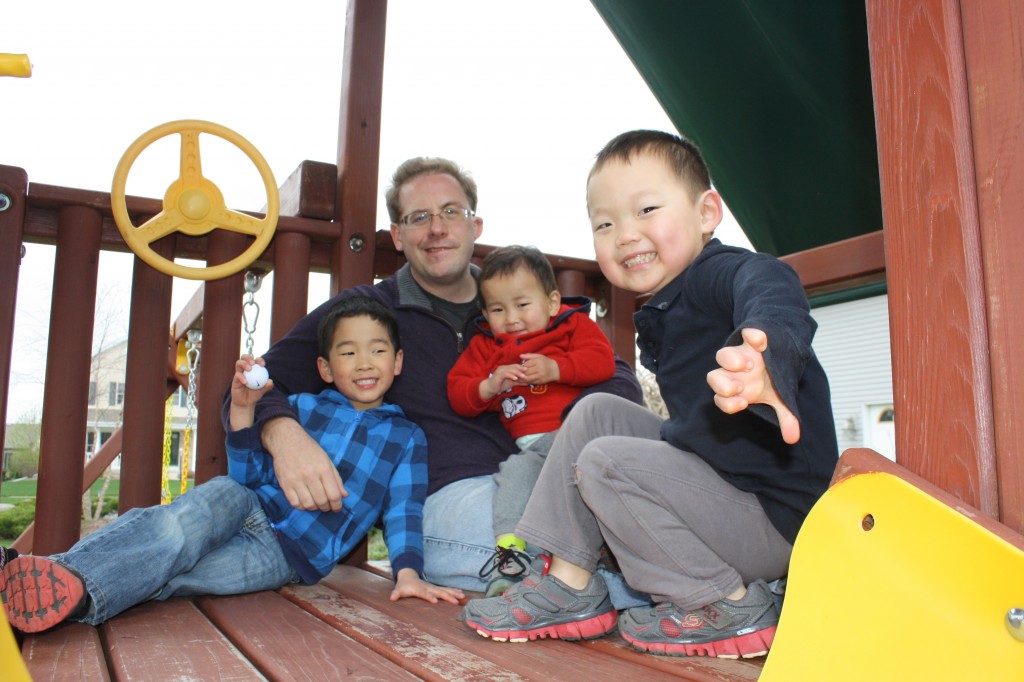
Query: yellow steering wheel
{"type": "Point", "coordinates": [192, 204]}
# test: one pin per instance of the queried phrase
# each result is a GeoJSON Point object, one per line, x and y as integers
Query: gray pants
{"type": "Point", "coordinates": [515, 480]}
{"type": "Point", "coordinates": [678, 530]}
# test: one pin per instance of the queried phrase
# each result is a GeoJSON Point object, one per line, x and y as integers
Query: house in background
{"type": "Point", "coordinates": [106, 408]}
{"type": "Point", "coordinates": [852, 343]}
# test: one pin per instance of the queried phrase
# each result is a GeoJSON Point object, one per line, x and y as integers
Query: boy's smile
{"type": "Point", "coordinates": [362, 363]}
{"type": "Point", "coordinates": [647, 228]}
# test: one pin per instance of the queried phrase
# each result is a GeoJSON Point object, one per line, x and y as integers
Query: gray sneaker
{"type": "Point", "coordinates": [726, 629]}
{"type": "Point", "coordinates": [543, 606]}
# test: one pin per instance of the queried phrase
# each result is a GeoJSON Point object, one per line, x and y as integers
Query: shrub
{"type": "Point", "coordinates": [14, 521]}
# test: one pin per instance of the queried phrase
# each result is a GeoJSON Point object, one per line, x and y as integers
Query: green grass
{"type": "Point", "coordinates": [23, 493]}
{"type": "Point", "coordinates": [12, 492]}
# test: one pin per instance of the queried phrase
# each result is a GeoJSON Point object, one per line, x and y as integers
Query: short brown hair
{"type": "Point", "coordinates": [424, 165]}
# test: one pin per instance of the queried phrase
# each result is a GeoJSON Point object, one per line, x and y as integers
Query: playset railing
{"type": "Point", "coordinates": [80, 225]}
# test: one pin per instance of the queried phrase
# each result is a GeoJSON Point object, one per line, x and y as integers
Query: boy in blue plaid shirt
{"type": "Point", "coordinates": [238, 533]}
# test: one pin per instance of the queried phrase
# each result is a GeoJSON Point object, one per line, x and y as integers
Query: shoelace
{"type": "Point", "coordinates": [507, 561]}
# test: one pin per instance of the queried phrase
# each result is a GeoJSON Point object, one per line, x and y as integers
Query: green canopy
{"type": "Point", "coordinates": [777, 94]}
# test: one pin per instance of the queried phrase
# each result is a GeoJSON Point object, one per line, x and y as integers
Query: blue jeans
{"type": "Point", "coordinates": [214, 539]}
{"type": "Point", "coordinates": [458, 538]}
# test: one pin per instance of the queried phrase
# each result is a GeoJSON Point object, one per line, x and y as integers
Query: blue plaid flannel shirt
{"type": "Point", "coordinates": [382, 459]}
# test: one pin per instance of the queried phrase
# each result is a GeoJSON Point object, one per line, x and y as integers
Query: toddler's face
{"type": "Point", "coordinates": [646, 228]}
{"type": "Point", "coordinates": [517, 303]}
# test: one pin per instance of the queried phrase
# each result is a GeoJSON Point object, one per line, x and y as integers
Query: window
{"type": "Point", "coordinates": [90, 443]}
{"type": "Point", "coordinates": [116, 394]}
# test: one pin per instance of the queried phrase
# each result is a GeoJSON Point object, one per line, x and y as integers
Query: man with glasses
{"type": "Point", "coordinates": [432, 207]}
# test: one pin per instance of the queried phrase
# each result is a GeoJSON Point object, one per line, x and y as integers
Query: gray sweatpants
{"type": "Point", "coordinates": [515, 480]}
{"type": "Point", "coordinates": [678, 530]}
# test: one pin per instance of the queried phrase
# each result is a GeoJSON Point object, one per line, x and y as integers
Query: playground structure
{"type": "Point", "coordinates": [946, 107]}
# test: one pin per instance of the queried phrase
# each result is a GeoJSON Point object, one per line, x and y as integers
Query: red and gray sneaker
{"type": "Point", "coordinates": [38, 593]}
{"type": "Point", "coordinates": [543, 606]}
{"type": "Point", "coordinates": [7, 554]}
{"type": "Point", "coordinates": [727, 629]}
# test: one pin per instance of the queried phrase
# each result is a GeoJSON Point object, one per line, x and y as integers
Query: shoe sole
{"type": "Point", "coordinates": [589, 628]}
{"type": "Point", "coordinates": [38, 593]}
{"type": "Point", "coordinates": [749, 645]}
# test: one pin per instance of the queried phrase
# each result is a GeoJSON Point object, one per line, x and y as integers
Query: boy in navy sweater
{"type": "Point", "coordinates": [701, 509]}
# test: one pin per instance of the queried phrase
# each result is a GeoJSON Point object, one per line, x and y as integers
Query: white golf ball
{"type": "Point", "coordinates": [256, 377]}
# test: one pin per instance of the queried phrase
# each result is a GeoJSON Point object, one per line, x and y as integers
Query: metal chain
{"type": "Point", "coordinates": [195, 341]}
{"type": "Point", "coordinates": [253, 280]}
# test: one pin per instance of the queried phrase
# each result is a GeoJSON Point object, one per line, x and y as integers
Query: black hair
{"type": "Point", "coordinates": [506, 260]}
{"type": "Point", "coordinates": [680, 153]}
{"type": "Point", "coordinates": [355, 306]}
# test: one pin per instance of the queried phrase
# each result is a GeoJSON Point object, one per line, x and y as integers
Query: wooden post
{"type": "Point", "coordinates": [13, 185]}
{"type": "Point", "coordinates": [955, 311]}
{"type": "Point", "coordinates": [992, 45]}
{"type": "Point", "coordinates": [359, 144]}
{"type": "Point", "coordinates": [145, 383]}
{"type": "Point", "coordinates": [222, 337]}
{"type": "Point", "coordinates": [66, 399]}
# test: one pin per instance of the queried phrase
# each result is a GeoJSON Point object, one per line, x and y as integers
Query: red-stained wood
{"type": "Point", "coordinates": [287, 643]}
{"type": "Point", "coordinates": [993, 44]}
{"type": "Point", "coordinates": [66, 397]}
{"type": "Point", "coordinates": [146, 382]}
{"type": "Point", "coordinates": [171, 640]}
{"type": "Point", "coordinates": [309, 191]}
{"type": "Point", "coordinates": [222, 334]}
{"type": "Point", "coordinates": [398, 639]}
{"type": "Point", "coordinates": [358, 158]}
{"type": "Point", "coordinates": [834, 266]}
{"type": "Point", "coordinates": [73, 653]}
{"type": "Point", "coordinates": [13, 185]}
{"type": "Point", "coordinates": [940, 344]}
{"type": "Point", "coordinates": [602, 660]}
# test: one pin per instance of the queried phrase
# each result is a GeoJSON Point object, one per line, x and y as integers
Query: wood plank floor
{"type": "Point", "coordinates": [344, 628]}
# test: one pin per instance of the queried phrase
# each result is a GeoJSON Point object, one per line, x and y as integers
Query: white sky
{"type": "Point", "coordinates": [522, 93]}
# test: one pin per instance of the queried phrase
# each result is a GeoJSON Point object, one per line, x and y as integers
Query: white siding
{"type": "Point", "coordinates": [852, 343]}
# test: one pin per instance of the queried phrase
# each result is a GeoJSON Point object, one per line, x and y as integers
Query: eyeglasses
{"type": "Point", "coordinates": [449, 214]}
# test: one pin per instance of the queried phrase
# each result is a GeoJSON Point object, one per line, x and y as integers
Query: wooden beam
{"type": "Point", "coordinates": [940, 343]}
{"type": "Point", "coordinates": [362, 87]}
{"type": "Point", "coordinates": [992, 45]}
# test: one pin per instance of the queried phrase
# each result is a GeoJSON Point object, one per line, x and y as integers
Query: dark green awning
{"type": "Point", "coordinates": [777, 93]}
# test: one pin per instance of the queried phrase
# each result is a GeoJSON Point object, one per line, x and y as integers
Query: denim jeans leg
{"type": "Point", "coordinates": [133, 558]}
{"type": "Point", "coordinates": [458, 536]}
{"type": "Point", "coordinates": [250, 561]}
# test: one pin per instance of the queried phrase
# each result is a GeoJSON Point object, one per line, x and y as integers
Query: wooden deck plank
{"type": "Point", "coordinates": [287, 643]}
{"type": "Point", "coordinates": [171, 640]}
{"type": "Point", "coordinates": [423, 654]}
{"type": "Point", "coordinates": [604, 659]}
{"type": "Point", "coordinates": [72, 653]}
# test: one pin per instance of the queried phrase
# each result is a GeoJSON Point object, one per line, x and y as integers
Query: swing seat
{"type": "Point", "coordinates": [893, 579]}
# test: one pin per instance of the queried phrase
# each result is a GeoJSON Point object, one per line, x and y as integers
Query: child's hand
{"type": "Point", "coordinates": [241, 394]}
{"type": "Point", "coordinates": [540, 369]}
{"type": "Point", "coordinates": [742, 380]}
{"type": "Point", "coordinates": [503, 378]}
{"type": "Point", "coordinates": [409, 584]}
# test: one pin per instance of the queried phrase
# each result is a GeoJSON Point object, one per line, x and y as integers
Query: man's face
{"type": "Point", "coordinates": [439, 251]}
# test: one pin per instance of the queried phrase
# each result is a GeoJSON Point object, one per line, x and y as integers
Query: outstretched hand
{"type": "Point", "coordinates": [409, 584]}
{"type": "Point", "coordinates": [742, 380]}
